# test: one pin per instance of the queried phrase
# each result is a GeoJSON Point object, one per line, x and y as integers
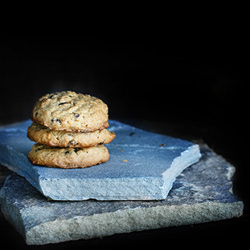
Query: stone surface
{"type": "Point", "coordinates": [142, 166]}
{"type": "Point", "coordinates": [201, 193]}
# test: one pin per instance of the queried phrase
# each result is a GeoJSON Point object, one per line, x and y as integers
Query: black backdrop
{"type": "Point", "coordinates": [191, 89]}
{"type": "Point", "coordinates": [137, 78]}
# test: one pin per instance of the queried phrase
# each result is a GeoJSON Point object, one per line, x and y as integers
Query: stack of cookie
{"type": "Point", "coordinates": [69, 130]}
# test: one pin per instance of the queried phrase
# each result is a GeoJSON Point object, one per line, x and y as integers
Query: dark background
{"type": "Point", "coordinates": [193, 88]}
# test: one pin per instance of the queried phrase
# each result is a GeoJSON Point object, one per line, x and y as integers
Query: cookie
{"type": "Point", "coordinates": [68, 157]}
{"type": "Point", "coordinates": [56, 138]}
{"type": "Point", "coordinates": [71, 112]}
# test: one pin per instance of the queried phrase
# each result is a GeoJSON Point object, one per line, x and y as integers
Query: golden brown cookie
{"type": "Point", "coordinates": [71, 112]}
{"type": "Point", "coordinates": [68, 157]}
{"type": "Point", "coordinates": [56, 138]}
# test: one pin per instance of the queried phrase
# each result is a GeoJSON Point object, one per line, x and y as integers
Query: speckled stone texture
{"type": "Point", "coordinates": [142, 166]}
{"type": "Point", "coordinates": [201, 193]}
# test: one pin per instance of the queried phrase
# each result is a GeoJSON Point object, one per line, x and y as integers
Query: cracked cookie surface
{"type": "Point", "coordinates": [71, 112]}
{"type": "Point", "coordinates": [68, 157]}
{"type": "Point", "coordinates": [56, 138]}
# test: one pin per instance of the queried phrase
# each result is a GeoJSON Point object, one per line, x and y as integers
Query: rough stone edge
{"type": "Point", "coordinates": [130, 220]}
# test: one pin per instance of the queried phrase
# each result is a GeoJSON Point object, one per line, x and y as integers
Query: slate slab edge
{"type": "Point", "coordinates": [120, 222]}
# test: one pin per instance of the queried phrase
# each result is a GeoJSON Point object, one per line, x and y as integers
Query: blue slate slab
{"type": "Point", "coordinates": [142, 166]}
{"type": "Point", "coordinates": [201, 193]}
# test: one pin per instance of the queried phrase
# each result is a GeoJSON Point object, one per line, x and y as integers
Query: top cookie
{"type": "Point", "coordinates": [71, 112]}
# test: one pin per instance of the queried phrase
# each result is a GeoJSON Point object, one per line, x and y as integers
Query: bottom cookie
{"type": "Point", "coordinates": [68, 157]}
